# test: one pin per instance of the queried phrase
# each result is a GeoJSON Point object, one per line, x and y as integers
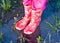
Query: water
{"type": "Point", "coordinates": [46, 32]}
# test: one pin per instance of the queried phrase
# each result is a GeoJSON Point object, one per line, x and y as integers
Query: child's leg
{"type": "Point", "coordinates": [37, 9]}
{"type": "Point", "coordinates": [39, 5]}
{"type": "Point", "coordinates": [27, 9]}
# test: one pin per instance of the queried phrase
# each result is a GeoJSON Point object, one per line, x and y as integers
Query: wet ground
{"type": "Point", "coordinates": [46, 33]}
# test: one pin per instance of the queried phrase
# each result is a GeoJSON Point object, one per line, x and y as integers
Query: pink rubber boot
{"type": "Point", "coordinates": [35, 20]}
{"type": "Point", "coordinates": [20, 25]}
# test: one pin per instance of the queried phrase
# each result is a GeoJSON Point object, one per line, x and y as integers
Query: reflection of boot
{"type": "Point", "coordinates": [22, 23]}
{"type": "Point", "coordinates": [35, 19]}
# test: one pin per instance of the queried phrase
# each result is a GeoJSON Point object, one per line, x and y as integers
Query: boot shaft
{"type": "Point", "coordinates": [27, 10]}
{"type": "Point", "coordinates": [36, 15]}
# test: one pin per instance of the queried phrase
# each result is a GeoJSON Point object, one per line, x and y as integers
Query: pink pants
{"type": "Point", "coordinates": [36, 4]}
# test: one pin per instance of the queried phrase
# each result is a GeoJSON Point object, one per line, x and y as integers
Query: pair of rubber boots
{"type": "Point", "coordinates": [30, 21]}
